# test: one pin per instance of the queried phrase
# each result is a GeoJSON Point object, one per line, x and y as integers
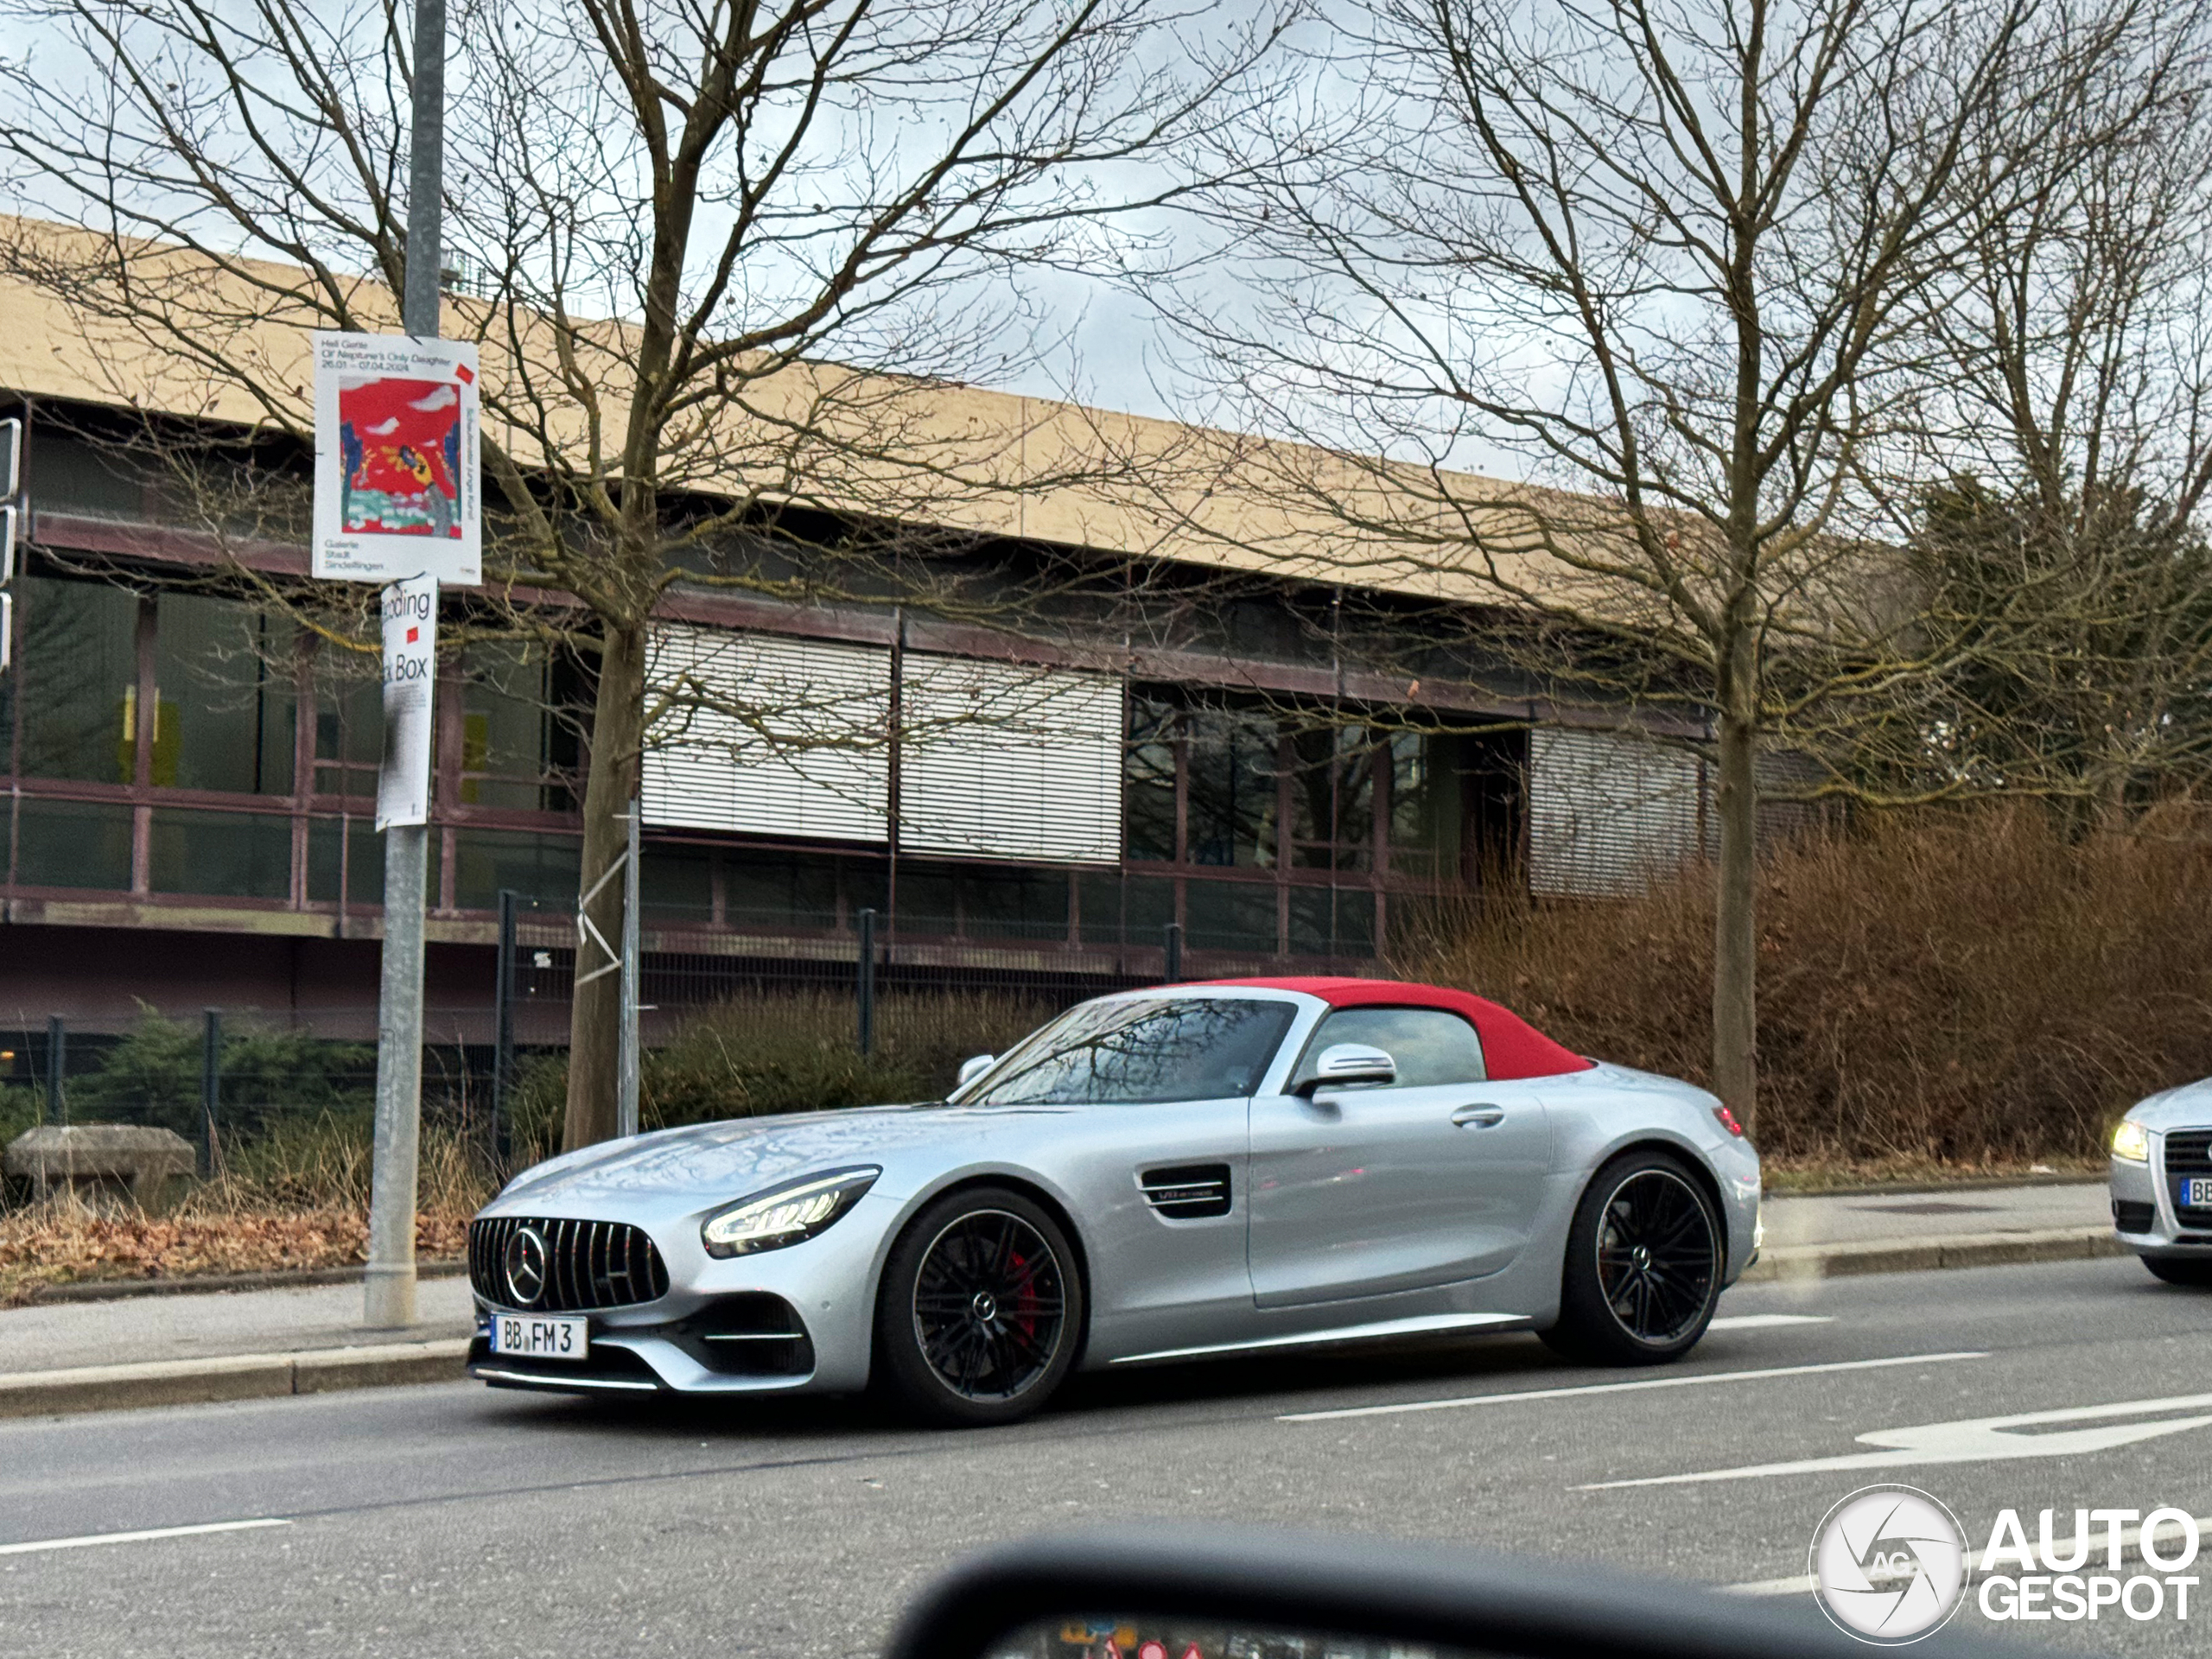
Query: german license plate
{"type": "Point", "coordinates": [537, 1338]}
{"type": "Point", "coordinates": [2195, 1192]}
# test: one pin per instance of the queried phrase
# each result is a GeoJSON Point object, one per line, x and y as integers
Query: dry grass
{"type": "Point", "coordinates": [1949, 996]}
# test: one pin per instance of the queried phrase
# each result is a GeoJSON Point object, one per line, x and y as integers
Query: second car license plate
{"type": "Point", "coordinates": [2195, 1192]}
{"type": "Point", "coordinates": [535, 1339]}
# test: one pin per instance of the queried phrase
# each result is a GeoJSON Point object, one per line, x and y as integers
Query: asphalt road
{"type": "Point", "coordinates": [457, 1520]}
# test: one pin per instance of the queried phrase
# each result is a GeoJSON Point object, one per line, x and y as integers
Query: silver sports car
{"type": "Point", "coordinates": [1176, 1173]}
{"type": "Point", "coordinates": [2162, 1183]}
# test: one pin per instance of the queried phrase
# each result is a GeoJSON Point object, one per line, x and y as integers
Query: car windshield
{"type": "Point", "coordinates": [1145, 1049]}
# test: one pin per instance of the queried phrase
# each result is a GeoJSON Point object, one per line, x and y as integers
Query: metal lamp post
{"type": "Point", "coordinates": [390, 1280]}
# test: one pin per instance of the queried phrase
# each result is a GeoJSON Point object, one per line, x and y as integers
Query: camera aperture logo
{"type": "Point", "coordinates": [1890, 1563]}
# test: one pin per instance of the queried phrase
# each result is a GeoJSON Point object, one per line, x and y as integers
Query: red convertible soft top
{"type": "Point", "coordinates": [1511, 1046]}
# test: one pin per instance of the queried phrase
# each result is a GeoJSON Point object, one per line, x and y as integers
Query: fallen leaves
{"type": "Point", "coordinates": [63, 1242]}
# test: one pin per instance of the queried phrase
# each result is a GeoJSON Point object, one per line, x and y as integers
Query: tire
{"type": "Point", "coordinates": [981, 1311]}
{"type": "Point", "coordinates": [1617, 1307]}
{"type": "Point", "coordinates": [2195, 1273]}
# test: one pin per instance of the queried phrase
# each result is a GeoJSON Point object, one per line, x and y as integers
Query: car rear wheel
{"type": "Point", "coordinates": [1643, 1264]}
{"type": "Point", "coordinates": [981, 1310]}
{"type": "Point", "coordinates": [2180, 1270]}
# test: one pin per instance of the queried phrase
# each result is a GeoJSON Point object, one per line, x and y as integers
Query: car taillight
{"type": "Point", "coordinates": [1728, 1122]}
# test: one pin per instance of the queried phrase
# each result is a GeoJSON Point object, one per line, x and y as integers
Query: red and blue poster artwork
{"type": "Point", "coordinates": [396, 475]}
{"type": "Point", "coordinates": [401, 445]}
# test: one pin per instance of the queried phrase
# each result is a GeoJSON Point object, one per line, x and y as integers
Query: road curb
{"type": "Point", "coordinates": [231, 1377]}
{"type": "Point", "coordinates": [1925, 1254]}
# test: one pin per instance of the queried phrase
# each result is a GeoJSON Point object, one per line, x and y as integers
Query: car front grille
{"type": "Point", "coordinates": [2189, 1151]}
{"type": "Point", "coordinates": [588, 1264]}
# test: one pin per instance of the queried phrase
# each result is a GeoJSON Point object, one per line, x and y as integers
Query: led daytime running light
{"type": "Point", "coordinates": [785, 1214]}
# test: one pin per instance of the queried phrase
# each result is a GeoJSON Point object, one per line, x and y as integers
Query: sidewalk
{"type": "Point", "coordinates": [138, 1329]}
{"type": "Point", "coordinates": [239, 1345]}
{"type": "Point", "coordinates": [1817, 1236]}
{"type": "Point", "coordinates": [187, 1349]}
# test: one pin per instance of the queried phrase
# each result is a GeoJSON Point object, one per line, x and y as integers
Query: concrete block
{"type": "Point", "coordinates": [101, 1157]}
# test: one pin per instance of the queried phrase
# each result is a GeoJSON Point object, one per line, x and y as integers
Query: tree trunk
{"type": "Point", "coordinates": [1735, 918]}
{"type": "Point", "coordinates": [595, 1011]}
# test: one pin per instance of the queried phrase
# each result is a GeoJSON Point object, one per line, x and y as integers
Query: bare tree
{"type": "Point", "coordinates": [2067, 553]}
{"type": "Point", "coordinates": [722, 263]}
{"type": "Point", "coordinates": [1675, 265]}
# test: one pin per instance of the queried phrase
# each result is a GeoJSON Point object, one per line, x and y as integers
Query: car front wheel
{"type": "Point", "coordinates": [981, 1310]}
{"type": "Point", "coordinates": [1643, 1264]}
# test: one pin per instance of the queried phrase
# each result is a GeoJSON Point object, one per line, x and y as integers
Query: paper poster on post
{"type": "Point", "coordinates": [395, 487]}
{"type": "Point", "coordinates": [410, 669]}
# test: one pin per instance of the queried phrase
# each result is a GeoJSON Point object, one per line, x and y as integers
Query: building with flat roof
{"type": "Point", "coordinates": [190, 775]}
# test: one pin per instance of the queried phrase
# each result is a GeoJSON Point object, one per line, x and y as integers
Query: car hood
{"type": "Point", "coordinates": [704, 1164]}
{"type": "Point", "coordinates": [2187, 1106]}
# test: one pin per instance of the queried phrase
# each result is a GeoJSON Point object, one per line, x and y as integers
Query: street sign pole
{"type": "Point", "coordinates": [390, 1280]}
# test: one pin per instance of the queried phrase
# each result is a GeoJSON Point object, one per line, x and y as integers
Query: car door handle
{"type": "Point", "coordinates": [1478, 1116]}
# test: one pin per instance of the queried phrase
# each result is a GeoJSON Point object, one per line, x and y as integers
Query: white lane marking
{"type": "Point", "coordinates": [92, 1538]}
{"type": "Point", "coordinates": [1973, 1439]}
{"type": "Point", "coordinates": [1803, 1584]}
{"type": "Point", "coordinates": [2130, 1539]}
{"type": "Point", "coordinates": [1419, 1325]}
{"type": "Point", "coordinates": [1763, 1321]}
{"type": "Point", "coordinates": [1576, 1393]}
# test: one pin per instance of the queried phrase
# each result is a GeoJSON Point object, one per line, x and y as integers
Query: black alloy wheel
{"type": "Point", "coordinates": [979, 1311]}
{"type": "Point", "coordinates": [1643, 1263]}
{"type": "Point", "coordinates": [1655, 1256]}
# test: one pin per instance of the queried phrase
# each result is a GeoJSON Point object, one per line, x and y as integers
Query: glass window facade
{"type": "Point", "coordinates": [352, 847]}
{"type": "Point", "coordinates": [348, 724]}
{"type": "Point", "coordinates": [72, 844]}
{"type": "Point", "coordinates": [77, 680]}
{"type": "Point", "coordinates": [535, 866]}
{"type": "Point", "coordinates": [161, 743]}
{"type": "Point", "coordinates": [508, 726]}
{"type": "Point", "coordinates": [225, 677]}
{"type": "Point", "coordinates": [231, 855]}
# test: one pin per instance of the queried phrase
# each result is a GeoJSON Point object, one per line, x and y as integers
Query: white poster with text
{"type": "Point", "coordinates": [410, 668]}
{"type": "Point", "coordinates": [396, 485]}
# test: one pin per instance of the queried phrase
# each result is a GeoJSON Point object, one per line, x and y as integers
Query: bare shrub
{"type": "Point", "coordinates": [792, 1051]}
{"type": "Point", "coordinates": [1970, 989]}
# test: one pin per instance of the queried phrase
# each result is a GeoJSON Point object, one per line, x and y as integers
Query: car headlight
{"type": "Point", "coordinates": [2131, 1141]}
{"type": "Point", "coordinates": [786, 1214]}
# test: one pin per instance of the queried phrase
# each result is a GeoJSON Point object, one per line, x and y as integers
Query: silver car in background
{"type": "Point", "coordinates": [1178, 1174]}
{"type": "Point", "coordinates": [2162, 1183]}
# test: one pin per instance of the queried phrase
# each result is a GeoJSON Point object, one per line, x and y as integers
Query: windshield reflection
{"type": "Point", "coordinates": [1144, 1049]}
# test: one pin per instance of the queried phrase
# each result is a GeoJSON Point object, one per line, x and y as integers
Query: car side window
{"type": "Point", "coordinates": [1431, 1045]}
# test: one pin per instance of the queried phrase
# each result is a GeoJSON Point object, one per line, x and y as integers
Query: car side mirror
{"type": "Point", "coordinates": [1171, 1590]}
{"type": "Point", "coordinates": [1342, 1065]}
{"type": "Point", "coordinates": [974, 1067]}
